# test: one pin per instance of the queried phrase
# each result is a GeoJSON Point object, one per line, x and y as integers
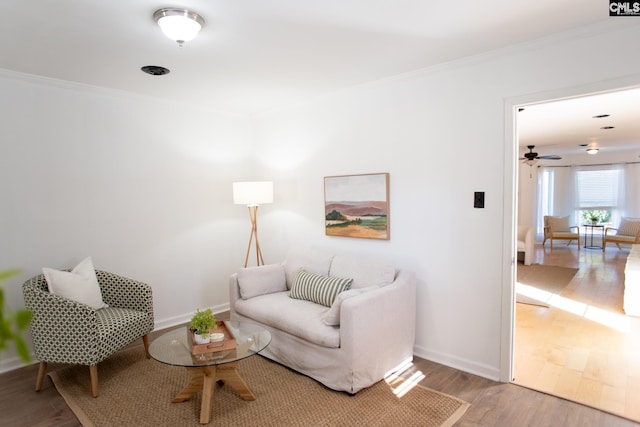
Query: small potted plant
{"type": "Point", "coordinates": [202, 323]}
{"type": "Point", "coordinates": [594, 217]}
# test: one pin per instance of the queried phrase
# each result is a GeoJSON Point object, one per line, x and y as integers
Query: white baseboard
{"type": "Point", "coordinates": [13, 362]}
{"type": "Point", "coordinates": [466, 365]}
{"type": "Point", "coordinates": [170, 322]}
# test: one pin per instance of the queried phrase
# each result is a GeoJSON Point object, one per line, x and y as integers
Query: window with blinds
{"type": "Point", "coordinates": [597, 189]}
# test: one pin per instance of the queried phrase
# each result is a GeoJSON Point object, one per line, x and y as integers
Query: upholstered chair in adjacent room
{"type": "Point", "coordinates": [66, 331]}
{"type": "Point", "coordinates": [627, 233]}
{"type": "Point", "coordinates": [558, 228]}
{"type": "Point", "coordinates": [525, 243]}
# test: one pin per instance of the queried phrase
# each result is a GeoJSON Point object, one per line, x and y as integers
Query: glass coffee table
{"type": "Point", "coordinates": [173, 348]}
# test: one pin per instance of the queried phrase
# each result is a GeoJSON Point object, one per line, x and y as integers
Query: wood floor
{"type": "Point", "coordinates": [492, 403]}
{"type": "Point", "coordinates": [585, 349]}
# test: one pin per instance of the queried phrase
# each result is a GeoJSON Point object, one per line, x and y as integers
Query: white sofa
{"type": "Point", "coordinates": [632, 282]}
{"type": "Point", "coordinates": [525, 243]}
{"type": "Point", "coordinates": [376, 318]}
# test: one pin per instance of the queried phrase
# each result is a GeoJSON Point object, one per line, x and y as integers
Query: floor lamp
{"type": "Point", "coordinates": [253, 194]}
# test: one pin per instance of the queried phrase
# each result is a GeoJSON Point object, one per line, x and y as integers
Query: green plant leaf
{"type": "Point", "coordinates": [10, 322]}
{"type": "Point", "coordinates": [22, 349]}
{"type": "Point", "coordinates": [5, 274]}
{"type": "Point", "coordinates": [23, 318]}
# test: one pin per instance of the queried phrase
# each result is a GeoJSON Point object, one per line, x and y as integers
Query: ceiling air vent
{"type": "Point", "coordinates": [155, 70]}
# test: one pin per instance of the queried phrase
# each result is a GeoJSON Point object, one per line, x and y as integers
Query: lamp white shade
{"type": "Point", "coordinates": [252, 193]}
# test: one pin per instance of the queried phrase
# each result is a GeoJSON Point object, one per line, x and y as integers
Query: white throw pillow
{"type": "Point", "coordinates": [332, 316]}
{"type": "Point", "coordinates": [309, 260]}
{"type": "Point", "coordinates": [364, 272]}
{"type": "Point", "coordinates": [628, 227]}
{"type": "Point", "coordinates": [80, 284]}
{"type": "Point", "coordinates": [266, 279]}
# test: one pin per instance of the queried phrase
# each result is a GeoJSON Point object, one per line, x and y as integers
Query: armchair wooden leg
{"type": "Point", "coordinates": [41, 371]}
{"type": "Point", "coordinates": [145, 340]}
{"type": "Point", "coordinates": [93, 369]}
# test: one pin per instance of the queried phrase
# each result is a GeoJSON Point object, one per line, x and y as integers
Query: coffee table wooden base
{"type": "Point", "coordinates": [204, 378]}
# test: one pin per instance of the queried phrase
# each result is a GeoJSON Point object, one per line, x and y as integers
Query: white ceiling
{"type": "Point", "coordinates": [254, 55]}
{"type": "Point", "coordinates": [559, 127]}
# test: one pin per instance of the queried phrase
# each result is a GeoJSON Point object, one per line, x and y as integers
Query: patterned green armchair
{"type": "Point", "coordinates": [66, 331]}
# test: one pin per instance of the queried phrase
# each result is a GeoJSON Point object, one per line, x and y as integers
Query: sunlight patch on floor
{"type": "Point", "coordinates": [606, 318]}
{"type": "Point", "coordinates": [533, 292]}
{"type": "Point", "coordinates": [403, 378]}
{"type": "Point", "coordinates": [613, 320]}
{"type": "Point", "coordinates": [568, 305]}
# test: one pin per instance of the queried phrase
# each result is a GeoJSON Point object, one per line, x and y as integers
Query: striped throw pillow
{"type": "Point", "coordinates": [319, 289]}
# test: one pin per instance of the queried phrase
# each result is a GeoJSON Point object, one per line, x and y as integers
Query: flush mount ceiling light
{"type": "Point", "coordinates": [592, 150]}
{"type": "Point", "coordinates": [181, 25]}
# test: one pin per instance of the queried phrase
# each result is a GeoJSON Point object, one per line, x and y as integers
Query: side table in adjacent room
{"type": "Point", "coordinates": [588, 235]}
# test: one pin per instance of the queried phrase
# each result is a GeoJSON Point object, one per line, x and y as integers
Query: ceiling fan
{"type": "Point", "coordinates": [531, 157]}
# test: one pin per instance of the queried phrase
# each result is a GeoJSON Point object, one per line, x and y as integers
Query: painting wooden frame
{"type": "Point", "coordinates": [357, 206]}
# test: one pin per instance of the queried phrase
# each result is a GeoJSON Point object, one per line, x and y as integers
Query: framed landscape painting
{"type": "Point", "coordinates": [357, 206]}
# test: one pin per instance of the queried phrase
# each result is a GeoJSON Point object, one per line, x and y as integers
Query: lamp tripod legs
{"type": "Point", "coordinates": [253, 216]}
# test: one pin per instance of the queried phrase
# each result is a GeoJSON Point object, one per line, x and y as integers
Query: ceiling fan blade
{"type": "Point", "coordinates": [550, 157]}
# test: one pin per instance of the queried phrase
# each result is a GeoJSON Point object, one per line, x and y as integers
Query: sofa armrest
{"type": "Point", "coordinates": [234, 293]}
{"type": "Point", "coordinates": [121, 292]}
{"type": "Point", "coordinates": [377, 325]}
{"type": "Point", "coordinates": [58, 320]}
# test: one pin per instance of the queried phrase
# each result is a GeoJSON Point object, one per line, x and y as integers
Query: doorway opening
{"type": "Point", "coordinates": [578, 345]}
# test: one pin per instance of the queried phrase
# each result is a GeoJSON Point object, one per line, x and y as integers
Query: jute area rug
{"type": "Point", "coordinates": [538, 283]}
{"type": "Point", "coordinates": [135, 391]}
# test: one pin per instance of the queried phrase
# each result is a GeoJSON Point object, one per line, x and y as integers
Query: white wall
{"type": "Point", "coordinates": [141, 185]}
{"type": "Point", "coordinates": [441, 135]}
{"type": "Point", "coordinates": [144, 186]}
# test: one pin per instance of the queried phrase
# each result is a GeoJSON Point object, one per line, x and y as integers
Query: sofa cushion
{"type": "Point", "coordinates": [332, 316]}
{"type": "Point", "coordinates": [79, 284]}
{"type": "Point", "coordinates": [364, 272]}
{"type": "Point", "coordinates": [621, 239]}
{"type": "Point", "coordinates": [564, 235]}
{"type": "Point", "coordinates": [118, 327]}
{"type": "Point", "coordinates": [266, 279]}
{"type": "Point", "coordinates": [628, 227]}
{"type": "Point", "coordinates": [316, 288]}
{"type": "Point", "coordinates": [308, 259]}
{"type": "Point", "coordinates": [300, 318]}
{"type": "Point", "coordinates": [558, 223]}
